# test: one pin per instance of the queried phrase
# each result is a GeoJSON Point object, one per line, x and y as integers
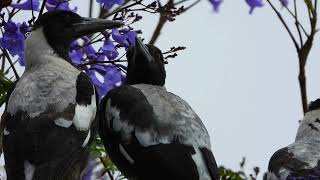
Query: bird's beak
{"type": "Point", "coordinates": [144, 50]}
{"type": "Point", "coordinates": [93, 25]}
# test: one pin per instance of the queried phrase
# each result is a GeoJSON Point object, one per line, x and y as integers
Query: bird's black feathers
{"type": "Point", "coordinates": [85, 90]}
{"type": "Point", "coordinates": [143, 71]}
{"type": "Point", "coordinates": [314, 105]}
{"type": "Point", "coordinates": [133, 106]}
{"type": "Point", "coordinates": [210, 162]}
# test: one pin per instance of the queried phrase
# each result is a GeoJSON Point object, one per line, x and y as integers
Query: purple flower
{"type": "Point", "coordinates": [52, 5]}
{"type": "Point", "coordinates": [254, 4]}
{"type": "Point", "coordinates": [109, 50]}
{"type": "Point", "coordinates": [24, 28]}
{"type": "Point", "coordinates": [13, 40]}
{"type": "Point", "coordinates": [125, 38]}
{"type": "Point", "coordinates": [284, 3]}
{"type": "Point", "coordinates": [76, 53]}
{"type": "Point", "coordinates": [216, 4]}
{"type": "Point", "coordinates": [28, 5]}
{"type": "Point", "coordinates": [109, 3]}
{"type": "Point", "coordinates": [90, 51]}
{"type": "Point", "coordinates": [110, 77]}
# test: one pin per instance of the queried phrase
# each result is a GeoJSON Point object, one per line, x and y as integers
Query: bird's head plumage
{"type": "Point", "coordinates": [60, 28]}
{"type": "Point", "coordinates": [145, 65]}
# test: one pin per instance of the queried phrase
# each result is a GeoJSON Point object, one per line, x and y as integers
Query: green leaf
{"type": "Point", "coordinates": [5, 85]}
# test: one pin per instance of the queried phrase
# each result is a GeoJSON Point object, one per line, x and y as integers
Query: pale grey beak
{"type": "Point", "coordinates": [144, 50]}
{"type": "Point", "coordinates": [93, 25]}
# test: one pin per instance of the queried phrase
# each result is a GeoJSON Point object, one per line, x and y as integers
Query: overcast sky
{"type": "Point", "coordinates": [239, 73]}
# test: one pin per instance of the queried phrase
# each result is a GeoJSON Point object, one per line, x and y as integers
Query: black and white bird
{"type": "Point", "coordinates": [301, 159]}
{"type": "Point", "coordinates": [49, 114]}
{"type": "Point", "coordinates": [150, 133]}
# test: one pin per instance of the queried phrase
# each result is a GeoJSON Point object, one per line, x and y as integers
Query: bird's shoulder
{"type": "Point", "coordinates": [153, 110]}
{"type": "Point", "coordinates": [299, 159]}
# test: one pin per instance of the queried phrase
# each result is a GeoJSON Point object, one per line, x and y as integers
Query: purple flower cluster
{"type": "Point", "coordinates": [109, 3]}
{"type": "Point", "coordinates": [13, 39]}
{"type": "Point", "coordinates": [251, 3]}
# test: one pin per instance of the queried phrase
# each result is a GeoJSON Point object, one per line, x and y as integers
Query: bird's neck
{"type": "Point", "coordinates": [38, 51]}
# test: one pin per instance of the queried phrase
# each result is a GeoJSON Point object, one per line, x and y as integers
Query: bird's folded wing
{"type": "Point", "coordinates": [156, 130]}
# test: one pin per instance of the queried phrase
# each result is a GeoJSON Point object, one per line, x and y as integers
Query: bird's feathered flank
{"type": "Point", "coordinates": [158, 133]}
{"type": "Point", "coordinates": [50, 134]}
{"type": "Point", "coordinates": [301, 159]}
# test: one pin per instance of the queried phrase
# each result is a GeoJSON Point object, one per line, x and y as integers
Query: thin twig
{"type": "Point", "coordinates": [5, 52]}
{"type": "Point", "coordinates": [284, 24]}
{"type": "Point", "coordinates": [32, 12]}
{"type": "Point", "coordinates": [122, 8]}
{"type": "Point", "coordinates": [297, 23]}
{"type": "Point", "coordinates": [90, 8]}
{"type": "Point", "coordinates": [42, 7]}
{"type": "Point", "coordinates": [295, 16]}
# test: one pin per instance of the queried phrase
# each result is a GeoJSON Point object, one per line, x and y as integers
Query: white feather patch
{"type": "Point", "coordinates": [85, 142]}
{"type": "Point", "coordinates": [6, 132]}
{"type": "Point", "coordinates": [201, 165]}
{"type": "Point", "coordinates": [125, 154]}
{"type": "Point", "coordinates": [28, 170]}
{"type": "Point", "coordinates": [84, 115]}
{"type": "Point", "coordinates": [63, 122]}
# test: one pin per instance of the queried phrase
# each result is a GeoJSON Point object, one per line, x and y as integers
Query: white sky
{"type": "Point", "coordinates": [239, 73]}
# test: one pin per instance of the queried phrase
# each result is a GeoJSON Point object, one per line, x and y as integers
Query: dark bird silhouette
{"type": "Point", "coordinates": [150, 133]}
{"type": "Point", "coordinates": [301, 159]}
{"type": "Point", "coordinates": [49, 114]}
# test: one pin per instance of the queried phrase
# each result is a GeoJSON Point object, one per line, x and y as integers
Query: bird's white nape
{"type": "Point", "coordinates": [37, 49]}
{"type": "Point", "coordinates": [28, 170]}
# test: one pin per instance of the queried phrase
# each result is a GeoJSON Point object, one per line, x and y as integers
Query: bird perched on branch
{"type": "Point", "coordinates": [301, 159]}
{"type": "Point", "coordinates": [49, 113]}
{"type": "Point", "coordinates": [150, 133]}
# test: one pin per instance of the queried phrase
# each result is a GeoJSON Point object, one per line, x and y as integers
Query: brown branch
{"type": "Point", "coordinates": [5, 52]}
{"type": "Point", "coordinates": [162, 20]}
{"type": "Point", "coordinates": [297, 23]}
{"type": "Point", "coordinates": [284, 24]}
{"type": "Point", "coordinates": [42, 7]}
{"type": "Point", "coordinates": [90, 8]}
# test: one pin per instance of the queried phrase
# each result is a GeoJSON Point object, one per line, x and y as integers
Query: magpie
{"type": "Point", "coordinates": [150, 133]}
{"type": "Point", "coordinates": [48, 118]}
{"type": "Point", "coordinates": [301, 159]}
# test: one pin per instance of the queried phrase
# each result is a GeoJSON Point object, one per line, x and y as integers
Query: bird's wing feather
{"type": "Point", "coordinates": [52, 134]}
{"type": "Point", "coordinates": [300, 159]}
{"type": "Point", "coordinates": [149, 120]}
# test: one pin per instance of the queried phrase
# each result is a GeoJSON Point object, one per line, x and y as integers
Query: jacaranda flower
{"type": "Point", "coordinates": [124, 37]}
{"type": "Point", "coordinates": [90, 51]}
{"type": "Point", "coordinates": [216, 4]}
{"type": "Point", "coordinates": [254, 4]}
{"type": "Point", "coordinates": [76, 53]}
{"type": "Point", "coordinates": [13, 40]}
{"type": "Point", "coordinates": [284, 3]}
{"type": "Point", "coordinates": [52, 5]}
{"type": "Point", "coordinates": [27, 5]}
{"type": "Point", "coordinates": [111, 78]}
{"type": "Point", "coordinates": [109, 3]}
{"type": "Point", "coordinates": [109, 50]}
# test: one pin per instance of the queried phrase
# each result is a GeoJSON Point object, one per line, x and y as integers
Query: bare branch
{"type": "Point", "coordinates": [5, 52]}
{"type": "Point", "coordinates": [284, 24]}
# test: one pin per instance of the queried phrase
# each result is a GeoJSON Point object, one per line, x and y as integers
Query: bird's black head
{"type": "Point", "coordinates": [60, 28]}
{"type": "Point", "coordinates": [145, 65]}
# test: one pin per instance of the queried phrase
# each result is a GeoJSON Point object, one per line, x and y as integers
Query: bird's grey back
{"type": "Point", "coordinates": [45, 86]}
{"type": "Point", "coordinates": [174, 115]}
